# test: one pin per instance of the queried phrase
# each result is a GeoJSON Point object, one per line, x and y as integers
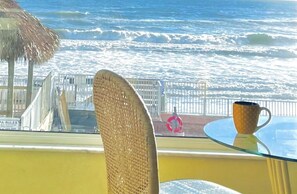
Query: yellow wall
{"type": "Point", "coordinates": [43, 172]}
{"type": "Point", "coordinates": [49, 172]}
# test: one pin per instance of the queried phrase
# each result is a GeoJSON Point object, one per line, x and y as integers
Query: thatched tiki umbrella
{"type": "Point", "coordinates": [22, 36]}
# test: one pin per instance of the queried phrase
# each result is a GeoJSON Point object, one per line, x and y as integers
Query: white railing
{"type": "Point", "coordinates": [19, 93]}
{"type": "Point", "coordinates": [19, 100]}
{"type": "Point", "coordinates": [187, 97]}
{"type": "Point", "coordinates": [159, 96]}
{"type": "Point", "coordinates": [162, 96]}
{"type": "Point", "coordinates": [150, 91]}
{"type": "Point", "coordinates": [78, 90]}
{"type": "Point", "coordinates": [223, 107]}
{"type": "Point", "coordinates": [40, 107]}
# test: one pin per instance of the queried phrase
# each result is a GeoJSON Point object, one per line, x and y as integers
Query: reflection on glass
{"type": "Point", "coordinates": [278, 139]}
{"type": "Point", "coordinates": [250, 142]}
{"type": "Point", "coordinates": [286, 138]}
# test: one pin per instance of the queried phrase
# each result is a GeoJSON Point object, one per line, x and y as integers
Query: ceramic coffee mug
{"type": "Point", "coordinates": [246, 116]}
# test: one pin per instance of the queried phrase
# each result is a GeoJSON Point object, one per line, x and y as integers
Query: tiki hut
{"type": "Point", "coordinates": [23, 37]}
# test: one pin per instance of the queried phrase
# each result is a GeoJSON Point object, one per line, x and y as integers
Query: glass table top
{"type": "Point", "coordinates": [278, 139]}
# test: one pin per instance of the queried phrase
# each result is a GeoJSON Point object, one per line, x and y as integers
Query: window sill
{"type": "Point", "coordinates": [92, 143]}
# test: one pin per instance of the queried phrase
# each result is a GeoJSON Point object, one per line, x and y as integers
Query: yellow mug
{"type": "Point", "coordinates": [246, 116]}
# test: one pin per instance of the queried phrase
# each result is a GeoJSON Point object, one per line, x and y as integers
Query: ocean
{"type": "Point", "coordinates": [241, 48]}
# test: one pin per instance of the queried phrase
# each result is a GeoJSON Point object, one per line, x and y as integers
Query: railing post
{"type": "Point", "coordinates": [266, 106]}
{"type": "Point", "coordinates": [204, 103]}
{"type": "Point", "coordinates": [163, 95]}
{"type": "Point", "coordinates": [228, 107]}
{"type": "Point", "coordinates": [75, 94]}
{"type": "Point", "coordinates": [159, 98]}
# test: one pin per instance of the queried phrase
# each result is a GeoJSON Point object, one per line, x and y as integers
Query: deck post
{"type": "Point", "coordinates": [204, 100]}
{"type": "Point", "coordinates": [29, 84]}
{"type": "Point", "coordinates": [10, 88]}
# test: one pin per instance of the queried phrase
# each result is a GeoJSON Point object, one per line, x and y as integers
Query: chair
{"type": "Point", "coordinates": [129, 142]}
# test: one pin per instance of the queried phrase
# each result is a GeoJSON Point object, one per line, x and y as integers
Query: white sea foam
{"type": "Point", "coordinates": [228, 75]}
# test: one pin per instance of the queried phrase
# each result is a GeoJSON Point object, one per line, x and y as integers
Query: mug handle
{"type": "Point", "coordinates": [269, 117]}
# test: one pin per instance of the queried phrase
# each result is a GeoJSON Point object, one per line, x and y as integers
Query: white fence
{"type": "Point", "coordinates": [162, 96]}
{"type": "Point", "coordinates": [40, 107]}
{"type": "Point", "coordinates": [19, 100]}
{"type": "Point", "coordinates": [78, 90]}
{"type": "Point", "coordinates": [19, 93]}
{"type": "Point", "coordinates": [187, 97]}
{"type": "Point", "coordinates": [159, 97]}
{"type": "Point", "coordinates": [223, 107]}
{"type": "Point", "coordinates": [150, 91]}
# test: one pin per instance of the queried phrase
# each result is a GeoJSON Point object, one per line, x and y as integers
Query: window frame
{"type": "Point", "coordinates": [92, 143]}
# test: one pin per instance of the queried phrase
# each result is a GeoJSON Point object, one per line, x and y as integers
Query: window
{"type": "Point", "coordinates": [196, 57]}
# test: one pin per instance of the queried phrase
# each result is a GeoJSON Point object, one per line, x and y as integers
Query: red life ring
{"type": "Point", "coordinates": [178, 128]}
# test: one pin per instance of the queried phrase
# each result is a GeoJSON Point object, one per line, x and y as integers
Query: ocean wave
{"type": "Point", "coordinates": [171, 21]}
{"type": "Point", "coordinates": [187, 49]}
{"type": "Point", "coordinates": [271, 53]}
{"type": "Point", "coordinates": [63, 33]}
{"type": "Point", "coordinates": [287, 21]}
{"type": "Point", "coordinates": [251, 39]}
{"type": "Point", "coordinates": [142, 36]}
{"type": "Point", "coordinates": [259, 39]}
{"type": "Point", "coordinates": [78, 22]}
{"type": "Point", "coordinates": [282, 53]}
{"type": "Point", "coordinates": [266, 39]}
{"type": "Point", "coordinates": [65, 14]}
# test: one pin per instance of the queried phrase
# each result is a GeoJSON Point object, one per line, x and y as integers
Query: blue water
{"type": "Point", "coordinates": [242, 48]}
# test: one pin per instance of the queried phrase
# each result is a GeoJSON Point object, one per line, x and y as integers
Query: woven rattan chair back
{"type": "Point", "coordinates": [127, 134]}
